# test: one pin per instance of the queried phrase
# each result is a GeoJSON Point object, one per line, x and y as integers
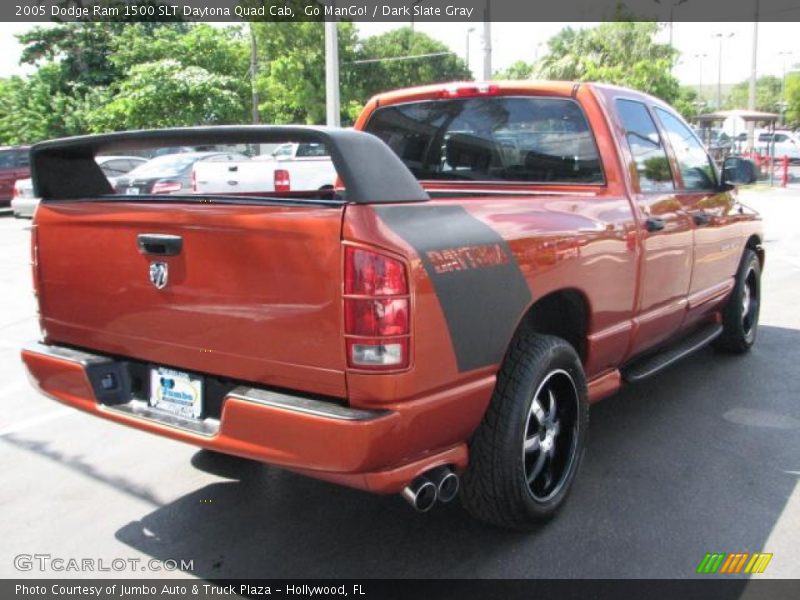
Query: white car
{"type": "Point", "coordinates": [786, 144]}
{"type": "Point", "coordinates": [24, 203]}
{"type": "Point", "coordinates": [290, 167]}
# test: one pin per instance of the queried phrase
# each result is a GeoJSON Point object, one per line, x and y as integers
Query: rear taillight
{"type": "Point", "coordinates": [281, 180]}
{"type": "Point", "coordinates": [17, 193]}
{"type": "Point", "coordinates": [166, 187]}
{"type": "Point", "coordinates": [377, 310]}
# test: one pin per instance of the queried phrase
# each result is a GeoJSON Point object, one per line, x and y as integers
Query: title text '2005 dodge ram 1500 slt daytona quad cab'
{"type": "Point", "coordinates": [495, 257]}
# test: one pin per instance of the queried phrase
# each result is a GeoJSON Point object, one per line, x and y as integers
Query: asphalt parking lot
{"type": "Point", "coordinates": [702, 458]}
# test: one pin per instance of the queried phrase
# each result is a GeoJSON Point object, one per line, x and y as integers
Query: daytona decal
{"type": "Point", "coordinates": [479, 285]}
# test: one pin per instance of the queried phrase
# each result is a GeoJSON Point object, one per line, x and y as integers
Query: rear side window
{"type": "Point", "coordinates": [697, 170]}
{"type": "Point", "coordinates": [22, 158]}
{"type": "Point", "coordinates": [645, 144]}
{"type": "Point", "coordinates": [509, 139]}
{"type": "Point", "coordinates": [311, 150]}
{"type": "Point", "coordinates": [7, 159]}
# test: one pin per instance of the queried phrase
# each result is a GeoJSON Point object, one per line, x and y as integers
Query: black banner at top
{"type": "Point", "coordinates": [400, 10]}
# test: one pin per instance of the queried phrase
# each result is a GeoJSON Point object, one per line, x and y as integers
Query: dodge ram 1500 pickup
{"type": "Point", "coordinates": [494, 258]}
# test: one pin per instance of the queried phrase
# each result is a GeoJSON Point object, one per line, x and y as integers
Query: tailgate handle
{"type": "Point", "coordinates": [161, 244]}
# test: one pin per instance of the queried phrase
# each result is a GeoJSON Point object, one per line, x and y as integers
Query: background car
{"type": "Point", "coordinates": [170, 174]}
{"type": "Point", "coordinates": [24, 202]}
{"type": "Point", "coordinates": [786, 144]}
{"type": "Point", "coordinates": [13, 166]}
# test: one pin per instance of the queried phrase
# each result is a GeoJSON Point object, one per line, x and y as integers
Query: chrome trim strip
{"type": "Point", "coordinates": [303, 405]}
{"type": "Point", "coordinates": [142, 410]}
{"type": "Point", "coordinates": [68, 354]}
{"type": "Point", "coordinates": [482, 192]}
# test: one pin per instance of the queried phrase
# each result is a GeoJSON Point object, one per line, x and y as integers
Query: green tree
{"type": "Point", "coordinates": [793, 98]}
{"type": "Point", "coordinates": [36, 107]}
{"type": "Point", "coordinates": [165, 93]}
{"type": "Point", "coordinates": [176, 76]}
{"type": "Point", "coordinates": [518, 70]}
{"type": "Point", "coordinates": [291, 71]}
{"type": "Point", "coordinates": [383, 75]}
{"type": "Point", "coordinates": [621, 53]}
{"type": "Point", "coordinates": [688, 102]}
{"type": "Point", "coordinates": [768, 94]}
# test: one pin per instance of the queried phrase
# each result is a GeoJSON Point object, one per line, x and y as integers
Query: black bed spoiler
{"type": "Point", "coordinates": [65, 169]}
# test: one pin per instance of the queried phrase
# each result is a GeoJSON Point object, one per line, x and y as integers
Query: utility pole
{"type": "Point", "coordinates": [469, 31]}
{"type": "Point", "coordinates": [332, 110]}
{"type": "Point", "coordinates": [253, 73]}
{"type": "Point", "coordinates": [783, 103]}
{"type": "Point", "coordinates": [700, 58]}
{"type": "Point", "coordinates": [487, 43]}
{"type": "Point", "coordinates": [721, 36]}
{"type": "Point", "coordinates": [751, 91]}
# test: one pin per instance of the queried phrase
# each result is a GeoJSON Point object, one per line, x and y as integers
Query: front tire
{"type": "Point", "coordinates": [526, 451]}
{"type": "Point", "coordinates": [740, 315]}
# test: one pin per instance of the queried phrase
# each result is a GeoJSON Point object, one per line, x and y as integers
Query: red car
{"type": "Point", "coordinates": [14, 164]}
{"type": "Point", "coordinates": [496, 257]}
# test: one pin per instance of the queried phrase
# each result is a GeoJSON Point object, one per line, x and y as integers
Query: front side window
{"type": "Point", "coordinates": [507, 139]}
{"type": "Point", "coordinates": [697, 170]}
{"type": "Point", "coordinates": [645, 145]}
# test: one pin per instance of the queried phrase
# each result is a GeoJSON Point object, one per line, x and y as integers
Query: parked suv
{"type": "Point", "coordinates": [13, 165]}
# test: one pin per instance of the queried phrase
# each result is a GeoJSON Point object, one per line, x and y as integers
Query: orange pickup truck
{"type": "Point", "coordinates": [495, 257]}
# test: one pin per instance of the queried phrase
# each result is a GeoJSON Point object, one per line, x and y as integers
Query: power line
{"type": "Point", "coordinates": [397, 58]}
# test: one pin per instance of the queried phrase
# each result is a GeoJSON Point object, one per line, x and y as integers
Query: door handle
{"type": "Point", "coordinates": [654, 224]}
{"type": "Point", "coordinates": [161, 244]}
{"type": "Point", "coordinates": [701, 218]}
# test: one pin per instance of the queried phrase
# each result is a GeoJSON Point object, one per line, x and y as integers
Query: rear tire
{"type": "Point", "coordinates": [740, 315]}
{"type": "Point", "coordinates": [526, 451]}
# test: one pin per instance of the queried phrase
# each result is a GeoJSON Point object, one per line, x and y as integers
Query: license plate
{"type": "Point", "coordinates": [176, 392]}
{"type": "Point", "coordinates": [132, 191]}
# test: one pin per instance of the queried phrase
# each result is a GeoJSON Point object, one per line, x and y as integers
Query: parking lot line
{"type": "Point", "coordinates": [28, 423]}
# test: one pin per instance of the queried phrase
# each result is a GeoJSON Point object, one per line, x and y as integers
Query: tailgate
{"type": "Point", "coordinates": [247, 288]}
{"type": "Point", "coordinates": [253, 294]}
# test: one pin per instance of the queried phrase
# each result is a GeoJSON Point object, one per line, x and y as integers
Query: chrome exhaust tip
{"type": "Point", "coordinates": [421, 494]}
{"type": "Point", "coordinates": [446, 482]}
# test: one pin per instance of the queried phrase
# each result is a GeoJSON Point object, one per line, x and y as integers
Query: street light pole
{"type": "Point", "coordinates": [469, 31]}
{"type": "Point", "coordinates": [487, 43]}
{"type": "Point", "coordinates": [783, 103]}
{"type": "Point", "coordinates": [700, 58]}
{"type": "Point", "coordinates": [721, 36]}
{"type": "Point", "coordinates": [673, 5]}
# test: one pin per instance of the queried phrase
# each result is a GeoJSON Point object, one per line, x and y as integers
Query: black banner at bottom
{"type": "Point", "coordinates": [390, 589]}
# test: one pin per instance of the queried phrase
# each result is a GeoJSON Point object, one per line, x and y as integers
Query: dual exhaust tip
{"type": "Point", "coordinates": [439, 484]}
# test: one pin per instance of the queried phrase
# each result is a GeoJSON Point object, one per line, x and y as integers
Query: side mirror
{"type": "Point", "coordinates": [739, 171]}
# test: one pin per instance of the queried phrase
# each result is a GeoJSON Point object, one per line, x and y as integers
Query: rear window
{"type": "Point", "coordinates": [509, 139]}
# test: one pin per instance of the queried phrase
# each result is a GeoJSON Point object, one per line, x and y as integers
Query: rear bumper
{"type": "Point", "coordinates": [376, 450]}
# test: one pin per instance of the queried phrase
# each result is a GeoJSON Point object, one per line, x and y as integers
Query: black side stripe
{"type": "Point", "coordinates": [479, 284]}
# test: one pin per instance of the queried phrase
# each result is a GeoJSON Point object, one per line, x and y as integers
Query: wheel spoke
{"type": "Point", "coordinates": [537, 411]}
{"type": "Point", "coordinates": [556, 428]}
{"type": "Point", "coordinates": [532, 443]}
{"type": "Point", "coordinates": [548, 473]}
{"type": "Point", "coordinates": [551, 415]}
{"type": "Point", "coordinates": [537, 467]}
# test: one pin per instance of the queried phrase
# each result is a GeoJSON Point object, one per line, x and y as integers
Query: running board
{"type": "Point", "coordinates": [650, 365]}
